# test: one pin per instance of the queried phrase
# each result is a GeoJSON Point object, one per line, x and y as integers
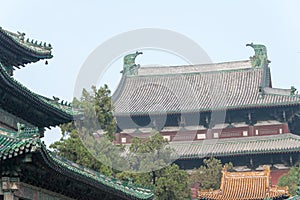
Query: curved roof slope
{"type": "Point", "coordinates": [280, 143]}
{"type": "Point", "coordinates": [16, 99]}
{"type": "Point", "coordinates": [14, 144]}
{"type": "Point", "coordinates": [35, 109]}
{"type": "Point", "coordinates": [231, 85]}
{"type": "Point", "coordinates": [15, 50]}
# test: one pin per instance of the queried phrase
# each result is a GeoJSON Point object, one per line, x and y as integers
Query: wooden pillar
{"type": "Point", "coordinates": [251, 162]}
{"type": "Point", "coordinates": [284, 116]}
{"type": "Point", "coordinates": [8, 196]}
{"type": "Point", "coordinates": [209, 134]}
{"type": "Point", "coordinates": [286, 128]}
{"type": "Point", "coordinates": [271, 161]}
{"type": "Point", "coordinates": [250, 118]}
{"type": "Point", "coordinates": [251, 131]}
{"type": "Point", "coordinates": [291, 160]}
{"type": "Point", "coordinates": [118, 138]}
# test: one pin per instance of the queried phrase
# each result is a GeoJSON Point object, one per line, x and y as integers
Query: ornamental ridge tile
{"type": "Point", "coordinates": [19, 39]}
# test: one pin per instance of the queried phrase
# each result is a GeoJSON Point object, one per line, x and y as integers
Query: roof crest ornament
{"type": "Point", "coordinates": [293, 91]}
{"type": "Point", "coordinates": [129, 66]}
{"type": "Point", "coordinates": [21, 36]}
{"type": "Point", "coordinates": [25, 132]}
{"type": "Point", "coordinates": [260, 58]}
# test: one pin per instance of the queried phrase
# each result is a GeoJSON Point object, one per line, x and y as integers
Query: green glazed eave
{"type": "Point", "coordinates": [64, 108]}
{"type": "Point", "coordinates": [12, 146]}
{"type": "Point", "coordinates": [33, 45]}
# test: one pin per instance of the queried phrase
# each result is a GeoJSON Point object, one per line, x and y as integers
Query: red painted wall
{"type": "Point", "coordinates": [276, 174]}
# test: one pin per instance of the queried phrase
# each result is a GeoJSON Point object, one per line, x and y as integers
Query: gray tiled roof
{"type": "Point", "coordinates": [237, 146]}
{"type": "Point", "coordinates": [229, 85]}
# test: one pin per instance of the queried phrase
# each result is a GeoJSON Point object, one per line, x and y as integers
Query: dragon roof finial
{"type": "Point", "coordinates": [130, 68]}
{"type": "Point", "coordinates": [260, 58]}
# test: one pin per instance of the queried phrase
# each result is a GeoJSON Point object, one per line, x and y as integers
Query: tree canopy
{"type": "Point", "coordinates": [147, 162]}
{"type": "Point", "coordinates": [208, 176]}
{"type": "Point", "coordinates": [152, 158]}
{"type": "Point", "coordinates": [291, 179]}
{"type": "Point", "coordinates": [88, 141]}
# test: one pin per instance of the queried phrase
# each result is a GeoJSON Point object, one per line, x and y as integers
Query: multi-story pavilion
{"type": "Point", "coordinates": [27, 169]}
{"type": "Point", "coordinates": [226, 110]}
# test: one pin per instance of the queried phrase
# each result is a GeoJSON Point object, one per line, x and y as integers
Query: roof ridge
{"type": "Point", "coordinates": [205, 64]}
{"type": "Point", "coordinates": [196, 68]}
{"type": "Point", "coordinates": [19, 38]}
{"type": "Point", "coordinates": [192, 73]}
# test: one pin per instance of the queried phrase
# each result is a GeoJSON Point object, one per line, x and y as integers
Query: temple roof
{"type": "Point", "coordinates": [197, 88]}
{"type": "Point", "coordinates": [15, 50]}
{"type": "Point", "coordinates": [35, 109]}
{"type": "Point", "coordinates": [237, 146]}
{"type": "Point", "coordinates": [245, 186]}
{"type": "Point", "coordinates": [14, 144]}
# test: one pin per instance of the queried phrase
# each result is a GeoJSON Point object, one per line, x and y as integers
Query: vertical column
{"type": "Point", "coordinates": [291, 160]}
{"type": "Point", "coordinates": [251, 162]}
{"type": "Point", "coordinates": [249, 118]}
{"type": "Point", "coordinates": [251, 131]}
{"type": "Point", "coordinates": [8, 196]}
{"type": "Point", "coordinates": [284, 116]}
{"type": "Point", "coordinates": [286, 128]}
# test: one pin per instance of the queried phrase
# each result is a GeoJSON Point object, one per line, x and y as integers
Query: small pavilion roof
{"type": "Point", "coordinates": [245, 186]}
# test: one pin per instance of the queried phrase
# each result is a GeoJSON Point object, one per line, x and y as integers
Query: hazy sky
{"type": "Point", "coordinates": [222, 28]}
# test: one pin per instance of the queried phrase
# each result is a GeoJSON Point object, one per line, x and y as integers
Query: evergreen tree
{"type": "Point", "coordinates": [81, 141]}
{"type": "Point", "coordinates": [291, 179]}
{"type": "Point", "coordinates": [172, 184]}
{"type": "Point", "coordinates": [152, 157]}
{"type": "Point", "coordinates": [208, 176]}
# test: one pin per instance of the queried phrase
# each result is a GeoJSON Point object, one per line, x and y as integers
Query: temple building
{"type": "Point", "coordinates": [28, 170]}
{"type": "Point", "coordinates": [245, 186]}
{"type": "Point", "coordinates": [225, 110]}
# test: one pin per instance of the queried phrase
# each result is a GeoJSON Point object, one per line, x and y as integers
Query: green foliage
{"type": "Point", "coordinates": [73, 149]}
{"type": "Point", "coordinates": [104, 107]}
{"type": "Point", "coordinates": [153, 156]}
{"type": "Point", "coordinates": [291, 179]}
{"type": "Point", "coordinates": [144, 179]}
{"type": "Point", "coordinates": [81, 141]}
{"type": "Point", "coordinates": [97, 107]}
{"type": "Point", "coordinates": [209, 175]}
{"type": "Point", "coordinates": [172, 184]}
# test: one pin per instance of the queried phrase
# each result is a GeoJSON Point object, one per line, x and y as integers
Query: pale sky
{"type": "Point", "coordinates": [222, 28]}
